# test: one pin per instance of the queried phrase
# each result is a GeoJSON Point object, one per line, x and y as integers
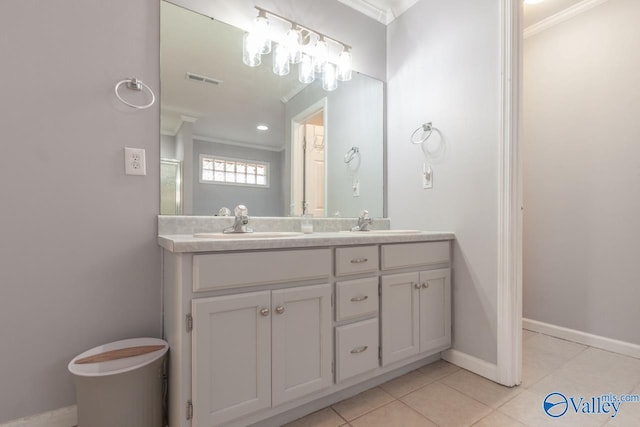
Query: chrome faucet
{"type": "Point", "coordinates": [364, 220]}
{"type": "Point", "coordinates": [240, 224]}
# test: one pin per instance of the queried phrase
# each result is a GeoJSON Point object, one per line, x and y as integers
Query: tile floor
{"type": "Point", "coordinates": [441, 394]}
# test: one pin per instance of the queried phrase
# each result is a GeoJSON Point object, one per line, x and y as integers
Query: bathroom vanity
{"type": "Point", "coordinates": [261, 326]}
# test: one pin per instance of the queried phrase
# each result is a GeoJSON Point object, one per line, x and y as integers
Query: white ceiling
{"type": "Point", "coordinates": [534, 13]}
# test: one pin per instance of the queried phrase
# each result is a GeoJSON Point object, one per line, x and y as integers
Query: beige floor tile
{"type": "Point", "coordinates": [481, 389]}
{"type": "Point", "coordinates": [534, 370]}
{"type": "Point", "coordinates": [610, 372]}
{"type": "Point", "coordinates": [438, 369]}
{"type": "Point", "coordinates": [527, 408]}
{"type": "Point", "coordinates": [553, 351]}
{"type": "Point", "coordinates": [498, 419]}
{"type": "Point", "coordinates": [406, 384]}
{"type": "Point", "coordinates": [445, 406]}
{"type": "Point", "coordinates": [323, 418]}
{"type": "Point", "coordinates": [362, 403]}
{"type": "Point", "coordinates": [395, 414]}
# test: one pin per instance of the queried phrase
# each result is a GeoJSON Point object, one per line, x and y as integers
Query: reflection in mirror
{"type": "Point", "coordinates": [233, 134]}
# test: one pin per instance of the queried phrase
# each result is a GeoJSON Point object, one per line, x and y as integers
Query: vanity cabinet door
{"type": "Point", "coordinates": [301, 341]}
{"type": "Point", "coordinates": [435, 310]}
{"type": "Point", "coordinates": [231, 357]}
{"type": "Point", "coordinates": [400, 317]}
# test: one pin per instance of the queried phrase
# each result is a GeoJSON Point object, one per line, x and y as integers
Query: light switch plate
{"type": "Point", "coordinates": [427, 176]}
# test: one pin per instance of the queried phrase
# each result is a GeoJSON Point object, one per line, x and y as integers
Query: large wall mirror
{"type": "Point", "coordinates": [325, 149]}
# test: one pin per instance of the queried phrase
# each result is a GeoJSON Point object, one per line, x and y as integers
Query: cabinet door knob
{"type": "Point", "coordinates": [425, 285]}
{"type": "Point", "coordinates": [279, 309]}
{"type": "Point", "coordinates": [416, 285]}
{"type": "Point", "coordinates": [359, 349]}
{"type": "Point", "coordinates": [358, 299]}
{"type": "Point", "coordinates": [264, 311]}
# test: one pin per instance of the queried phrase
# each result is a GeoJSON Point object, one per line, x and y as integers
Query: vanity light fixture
{"type": "Point", "coordinates": [300, 45]}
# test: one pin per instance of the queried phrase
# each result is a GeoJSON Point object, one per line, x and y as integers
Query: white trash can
{"type": "Point", "coordinates": [120, 384]}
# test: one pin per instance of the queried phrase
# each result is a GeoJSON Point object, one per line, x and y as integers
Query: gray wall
{"type": "Point", "coordinates": [80, 265]}
{"type": "Point", "coordinates": [209, 198]}
{"type": "Point", "coordinates": [444, 66]}
{"type": "Point", "coordinates": [582, 172]}
{"type": "Point", "coordinates": [355, 118]}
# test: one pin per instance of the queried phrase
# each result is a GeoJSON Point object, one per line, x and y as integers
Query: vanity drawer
{"type": "Point", "coordinates": [356, 348]}
{"type": "Point", "coordinates": [355, 298]}
{"type": "Point", "coordinates": [414, 254]}
{"type": "Point", "coordinates": [359, 259]}
{"type": "Point", "coordinates": [229, 270]}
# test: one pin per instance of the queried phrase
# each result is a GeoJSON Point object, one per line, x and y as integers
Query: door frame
{"type": "Point", "coordinates": [509, 303]}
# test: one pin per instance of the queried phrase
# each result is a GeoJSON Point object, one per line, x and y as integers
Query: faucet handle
{"type": "Point", "coordinates": [241, 210]}
{"type": "Point", "coordinates": [364, 214]}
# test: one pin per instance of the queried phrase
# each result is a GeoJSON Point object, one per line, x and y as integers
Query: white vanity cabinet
{"type": "Point", "coordinates": [258, 332]}
{"type": "Point", "coordinates": [260, 349]}
{"type": "Point", "coordinates": [416, 306]}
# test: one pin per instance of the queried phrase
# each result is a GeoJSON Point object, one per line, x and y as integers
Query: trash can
{"type": "Point", "coordinates": [121, 383]}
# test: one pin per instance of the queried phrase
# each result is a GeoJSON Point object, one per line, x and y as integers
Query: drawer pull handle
{"type": "Point", "coordinates": [425, 285]}
{"type": "Point", "coordinates": [279, 309]}
{"type": "Point", "coordinates": [359, 349]}
{"type": "Point", "coordinates": [359, 260]}
{"type": "Point", "coordinates": [264, 311]}
{"type": "Point", "coordinates": [358, 299]}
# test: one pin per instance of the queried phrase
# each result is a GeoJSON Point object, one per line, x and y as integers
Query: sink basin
{"type": "Point", "coordinates": [254, 235]}
{"type": "Point", "coordinates": [384, 232]}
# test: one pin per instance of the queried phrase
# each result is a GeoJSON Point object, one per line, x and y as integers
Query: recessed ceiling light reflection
{"type": "Point", "coordinates": [262, 127]}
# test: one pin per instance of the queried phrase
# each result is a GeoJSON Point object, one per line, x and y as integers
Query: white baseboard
{"type": "Point", "coordinates": [472, 363]}
{"type": "Point", "coordinates": [604, 343]}
{"type": "Point", "coordinates": [64, 417]}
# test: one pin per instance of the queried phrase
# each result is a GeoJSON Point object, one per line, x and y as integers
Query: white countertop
{"type": "Point", "coordinates": [179, 243]}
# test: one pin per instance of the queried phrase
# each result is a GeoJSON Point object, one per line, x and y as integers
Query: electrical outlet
{"type": "Point", "coordinates": [134, 161]}
{"type": "Point", "coordinates": [356, 189]}
{"type": "Point", "coordinates": [427, 177]}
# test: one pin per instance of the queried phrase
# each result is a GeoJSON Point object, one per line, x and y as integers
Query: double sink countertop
{"type": "Point", "coordinates": [179, 243]}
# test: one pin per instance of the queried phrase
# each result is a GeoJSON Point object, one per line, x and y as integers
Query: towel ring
{"type": "Point", "coordinates": [351, 154]}
{"type": "Point", "coordinates": [426, 129]}
{"type": "Point", "coordinates": [138, 85]}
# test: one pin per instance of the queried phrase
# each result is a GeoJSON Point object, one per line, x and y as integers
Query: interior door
{"type": "Point", "coordinates": [314, 169]}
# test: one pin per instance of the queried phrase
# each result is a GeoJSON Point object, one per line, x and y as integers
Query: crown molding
{"type": "Point", "coordinates": [561, 16]}
{"type": "Point", "coordinates": [238, 144]}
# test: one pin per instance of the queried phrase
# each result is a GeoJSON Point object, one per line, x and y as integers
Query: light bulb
{"type": "Point", "coordinates": [305, 70]}
{"type": "Point", "coordinates": [293, 38]}
{"type": "Point", "coordinates": [281, 60]}
{"type": "Point", "coordinates": [344, 66]}
{"type": "Point", "coordinates": [261, 32]}
{"type": "Point", "coordinates": [250, 50]}
{"type": "Point", "coordinates": [320, 55]}
{"type": "Point", "coordinates": [329, 81]}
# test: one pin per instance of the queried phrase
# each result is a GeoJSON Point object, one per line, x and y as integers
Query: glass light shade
{"type": "Point", "coordinates": [306, 74]}
{"type": "Point", "coordinates": [329, 81]}
{"type": "Point", "coordinates": [281, 65]}
{"type": "Point", "coordinates": [320, 55]}
{"type": "Point", "coordinates": [294, 47]}
{"type": "Point", "coordinates": [261, 32]}
{"type": "Point", "coordinates": [250, 50]}
{"type": "Point", "coordinates": [344, 69]}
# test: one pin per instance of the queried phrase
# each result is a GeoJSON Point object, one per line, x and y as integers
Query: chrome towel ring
{"type": "Point", "coordinates": [426, 129]}
{"type": "Point", "coordinates": [138, 85]}
{"type": "Point", "coordinates": [351, 154]}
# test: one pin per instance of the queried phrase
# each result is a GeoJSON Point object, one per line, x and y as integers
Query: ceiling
{"type": "Point", "coordinates": [386, 11]}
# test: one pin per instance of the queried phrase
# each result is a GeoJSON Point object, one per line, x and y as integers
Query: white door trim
{"type": "Point", "coordinates": [509, 303]}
